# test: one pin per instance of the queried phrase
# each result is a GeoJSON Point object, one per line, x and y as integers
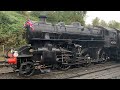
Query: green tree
{"type": "Point", "coordinates": [95, 21]}
{"type": "Point", "coordinates": [11, 28]}
{"type": "Point", "coordinates": [103, 23]}
{"type": "Point", "coordinates": [25, 13]}
{"type": "Point", "coordinates": [64, 16]}
{"type": "Point", "coordinates": [88, 25]}
{"type": "Point", "coordinates": [36, 13]}
{"type": "Point", "coordinates": [114, 24]}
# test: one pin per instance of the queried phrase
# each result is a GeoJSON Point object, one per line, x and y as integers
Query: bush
{"type": "Point", "coordinates": [11, 28]}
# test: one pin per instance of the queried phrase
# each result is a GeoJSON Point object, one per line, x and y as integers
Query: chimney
{"type": "Point", "coordinates": [43, 19]}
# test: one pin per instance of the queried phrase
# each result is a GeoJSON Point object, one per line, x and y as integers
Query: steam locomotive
{"type": "Point", "coordinates": [60, 46]}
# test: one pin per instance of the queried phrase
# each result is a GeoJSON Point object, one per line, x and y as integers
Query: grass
{"type": "Point", "coordinates": [1, 58]}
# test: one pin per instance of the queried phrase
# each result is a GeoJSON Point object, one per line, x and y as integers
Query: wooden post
{"type": "Point", "coordinates": [3, 49]}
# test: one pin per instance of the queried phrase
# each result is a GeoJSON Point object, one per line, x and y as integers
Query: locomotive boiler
{"type": "Point", "coordinates": [60, 46]}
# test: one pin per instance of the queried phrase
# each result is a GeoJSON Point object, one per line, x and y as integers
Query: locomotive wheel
{"type": "Point", "coordinates": [26, 69]}
{"type": "Point", "coordinates": [65, 64]}
{"type": "Point", "coordinates": [103, 57]}
{"type": "Point", "coordinates": [87, 61]}
{"type": "Point", "coordinates": [64, 67]}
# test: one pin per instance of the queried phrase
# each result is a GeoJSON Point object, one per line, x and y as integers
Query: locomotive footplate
{"type": "Point", "coordinates": [79, 60]}
{"type": "Point", "coordinates": [97, 60]}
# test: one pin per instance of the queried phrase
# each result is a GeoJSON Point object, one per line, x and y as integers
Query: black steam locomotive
{"type": "Point", "coordinates": [60, 46]}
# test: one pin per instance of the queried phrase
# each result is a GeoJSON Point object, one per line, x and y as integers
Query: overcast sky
{"type": "Point", "coordinates": [104, 15]}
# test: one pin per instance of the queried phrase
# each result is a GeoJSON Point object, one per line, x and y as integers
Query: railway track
{"type": "Point", "coordinates": [93, 71]}
{"type": "Point", "coordinates": [7, 73]}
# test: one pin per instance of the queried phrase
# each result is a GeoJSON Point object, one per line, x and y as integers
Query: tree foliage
{"type": "Point", "coordinates": [111, 24]}
{"type": "Point", "coordinates": [103, 23]}
{"type": "Point", "coordinates": [11, 28]}
{"type": "Point", "coordinates": [114, 24]}
{"type": "Point", "coordinates": [64, 16]}
{"type": "Point", "coordinates": [96, 21]}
